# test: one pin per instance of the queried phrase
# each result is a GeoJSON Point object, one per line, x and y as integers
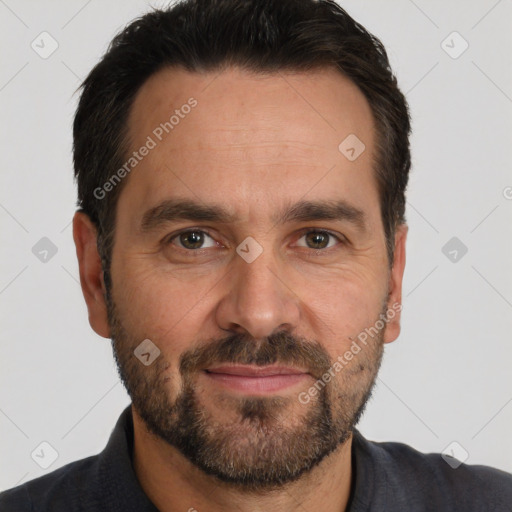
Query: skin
{"type": "Point", "coordinates": [253, 144]}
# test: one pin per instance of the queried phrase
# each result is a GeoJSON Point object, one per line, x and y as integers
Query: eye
{"type": "Point", "coordinates": [193, 239]}
{"type": "Point", "coordinates": [196, 239]}
{"type": "Point", "coordinates": [319, 239]}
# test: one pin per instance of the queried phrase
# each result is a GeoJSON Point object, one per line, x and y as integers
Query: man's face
{"type": "Point", "coordinates": [251, 309]}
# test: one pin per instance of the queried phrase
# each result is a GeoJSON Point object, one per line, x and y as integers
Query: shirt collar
{"type": "Point", "coordinates": [122, 492]}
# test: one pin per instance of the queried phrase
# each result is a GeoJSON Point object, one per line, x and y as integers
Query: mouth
{"type": "Point", "coordinates": [255, 380]}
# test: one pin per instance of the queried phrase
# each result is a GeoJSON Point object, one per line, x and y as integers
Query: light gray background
{"type": "Point", "coordinates": [447, 378]}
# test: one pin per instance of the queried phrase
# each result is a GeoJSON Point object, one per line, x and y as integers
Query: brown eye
{"type": "Point", "coordinates": [316, 239]}
{"type": "Point", "coordinates": [192, 240]}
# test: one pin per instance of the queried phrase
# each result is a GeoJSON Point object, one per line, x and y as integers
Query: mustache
{"type": "Point", "coordinates": [281, 348]}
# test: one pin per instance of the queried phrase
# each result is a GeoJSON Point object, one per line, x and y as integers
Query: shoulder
{"type": "Point", "coordinates": [430, 479]}
{"type": "Point", "coordinates": [68, 488]}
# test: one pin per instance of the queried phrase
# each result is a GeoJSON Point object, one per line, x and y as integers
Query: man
{"type": "Point", "coordinates": [241, 169]}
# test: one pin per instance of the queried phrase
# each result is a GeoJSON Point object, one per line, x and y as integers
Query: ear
{"type": "Point", "coordinates": [91, 273]}
{"type": "Point", "coordinates": [395, 286]}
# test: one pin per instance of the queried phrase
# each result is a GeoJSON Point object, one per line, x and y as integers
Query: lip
{"type": "Point", "coordinates": [255, 380]}
{"type": "Point", "coordinates": [255, 371]}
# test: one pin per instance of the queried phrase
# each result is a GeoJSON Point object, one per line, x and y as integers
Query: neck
{"type": "Point", "coordinates": [173, 483]}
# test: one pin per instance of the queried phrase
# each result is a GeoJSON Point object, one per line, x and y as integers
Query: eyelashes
{"type": "Point", "coordinates": [184, 241]}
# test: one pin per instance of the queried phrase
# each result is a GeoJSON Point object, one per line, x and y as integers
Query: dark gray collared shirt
{"type": "Point", "coordinates": [389, 477]}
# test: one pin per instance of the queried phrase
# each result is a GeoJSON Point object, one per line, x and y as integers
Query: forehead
{"type": "Point", "coordinates": [322, 101]}
{"type": "Point", "coordinates": [250, 139]}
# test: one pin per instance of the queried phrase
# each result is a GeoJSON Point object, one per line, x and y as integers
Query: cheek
{"type": "Point", "coordinates": [174, 308]}
{"type": "Point", "coordinates": [159, 305]}
{"type": "Point", "coordinates": [343, 306]}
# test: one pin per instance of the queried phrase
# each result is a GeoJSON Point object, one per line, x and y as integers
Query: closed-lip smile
{"type": "Point", "coordinates": [257, 380]}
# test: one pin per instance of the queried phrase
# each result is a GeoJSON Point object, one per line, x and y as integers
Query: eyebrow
{"type": "Point", "coordinates": [185, 209]}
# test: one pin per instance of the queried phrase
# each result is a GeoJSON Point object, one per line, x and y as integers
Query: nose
{"type": "Point", "coordinates": [258, 301]}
